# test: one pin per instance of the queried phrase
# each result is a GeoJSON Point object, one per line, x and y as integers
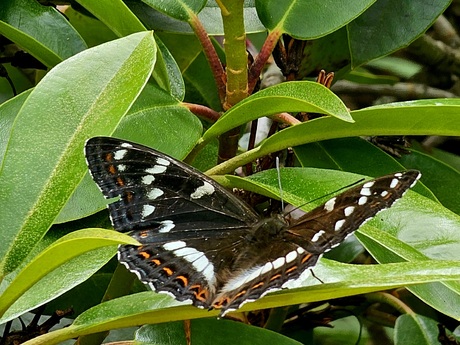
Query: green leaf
{"type": "Point", "coordinates": [210, 16]}
{"type": "Point", "coordinates": [388, 247]}
{"type": "Point", "coordinates": [182, 10]}
{"type": "Point", "coordinates": [20, 81]}
{"type": "Point", "coordinates": [291, 16]}
{"type": "Point", "coordinates": [441, 178]}
{"type": "Point", "coordinates": [170, 78]}
{"type": "Point", "coordinates": [153, 120]}
{"type": "Point", "coordinates": [415, 329]}
{"type": "Point", "coordinates": [377, 32]}
{"type": "Point", "coordinates": [62, 279]}
{"type": "Point", "coordinates": [54, 256]}
{"type": "Point", "coordinates": [290, 96]}
{"type": "Point", "coordinates": [83, 96]}
{"type": "Point", "coordinates": [93, 31]}
{"type": "Point", "coordinates": [424, 117]}
{"type": "Point", "coordinates": [339, 280]}
{"type": "Point", "coordinates": [40, 30]}
{"type": "Point", "coordinates": [9, 111]}
{"type": "Point", "coordinates": [221, 332]}
{"type": "Point", "coordinates": [196, 72]}
{"type": "Point", "coordinates": [355, 155]}
{"type": "Point", "coordinates": [115, 14]}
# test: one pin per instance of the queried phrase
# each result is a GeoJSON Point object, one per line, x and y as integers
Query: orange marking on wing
{"type": "Point", "coordinates": [202, 295]}
{"type": "Point", "coordinates": [241, 293]}
{"type": "Point", "coordinates": [223, 301]}
{"type": "Point", "coordinates": [257, 285]}
{"type": "Point", "coordinates": [109, 157]}
{"type": "Point", "coordinates": [143, 234]}
{"type": "Point", "coordinates": [145, 255]}
{"type": "Point", "coordinates": [293, 268]}
{"type": "Point", "coordinates": [156, 262]}
{"type": "Point", "coordinates": [168, 271]}
{"type": "Point", "coordinates": [276, 276]}
{"type": "Point", "coordinates": [129, 196]}
{"type": "Point", "coordinates": [306, 257]}
{"type": "Point", "coordinates": [111, 169]}
{"type": "Point", "coordinates": [183, 279]}
{"type": "Point", "coordinates": [120, 182]}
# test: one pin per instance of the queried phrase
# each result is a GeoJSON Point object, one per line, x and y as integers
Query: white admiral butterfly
{"type": "Point", "coordinates": [202, 243]}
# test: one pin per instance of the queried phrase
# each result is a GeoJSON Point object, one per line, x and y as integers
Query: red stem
{"type": "Point", "coordinates": [202, 111]}
{"type": "Point", "coordinates": [211, 55]}
{"type": "Point", "coordinates": [261, 59]}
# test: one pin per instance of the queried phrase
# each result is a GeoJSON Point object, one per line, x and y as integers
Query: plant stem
{"type": "Point", "coordinates": [236, 69]}
{"type": "Point", "coordinates": [235, 51]}
{"type": "Point", "coordinates": [211, 55]}
{"type": "Point", "coordinates": [202, 112]}
{"type": "Point", "coordinates": [261, 59]}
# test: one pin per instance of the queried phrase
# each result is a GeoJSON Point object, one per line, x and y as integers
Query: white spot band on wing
{"type": "Point", "coordinates": [205, 189]}
{"type": "Point", "coordinates": [147, 210]}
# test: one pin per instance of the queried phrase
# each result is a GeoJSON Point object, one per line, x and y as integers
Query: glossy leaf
{"type": "Point", "coordinates": [62, 279]}
{"type": "Point", "coordinates": [200, 84]}
{"type": "Point", "coordinates": [169, 78]}
{"type": "Point", "coordinates": [40, 30]}
{"type": "Point", "coordinates": [385, 247]}
{"type": "Point", "coordinates": [153, 120]}
{"type": "Point", "coordinates": [354, 155]}
{"type": "Point", "coordinates": [441, 178]}
{"type": "Point", "coordinates": [53, 257]}
{"type": "Point", "coordinates": [182, 10]}
{"type": "Point", "coordinates": [415, 329]}
{"type": "Point", "coordinates": [19, 80]}
{"type": "Point", "coordinates": [9, 111]}
{"type": "Point", "coordinates": [291, 16]}
{"type": "Point", "coordinates": [339, 280]}
{"type": "Point", "coordinates": [115, 14]}
{"type": "Point", "coordinates": [83, 96]}
{"type": "Point", "coordinates": [377, 31]}
{"type": "Point", "coordinates": [290, 96]}
{"type": "Point", "coordinates": [210, 16]}
{"type": "Point", "coordinates": [222, 332]}
{"type": "Point", "coordinates": [424, 117]}
{"type": "Point", "coordinates": [93, 31]}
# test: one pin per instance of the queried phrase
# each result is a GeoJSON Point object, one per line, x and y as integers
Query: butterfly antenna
{"type": "Point", "coordinates": [278, 171]}
{"type": "Point", "coordinates": [326, 195]}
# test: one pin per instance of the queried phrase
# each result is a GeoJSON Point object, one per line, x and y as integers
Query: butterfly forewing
{"type": "Point", "coordinates": [329, 224]}
{"type": "Point", "coordinates": [156, 187]}
{"type": "Point", "coordinates": [202, 243]}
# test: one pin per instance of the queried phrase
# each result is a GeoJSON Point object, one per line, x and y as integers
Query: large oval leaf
{"type": "Point", "coordinates": [424, 117]}
{"type": "Point", "coordinates": [55, 257]}
{"type": "Point", "coordinates": [291, 16]}
{"type": "Point", "coordinates": [83, 96]}
{"type": "Point", "coordinates": [19, 20]}
{"type": "Point", "coordinates": [291, 96]}
{"type": "Point", "coordinates": [339, 280]}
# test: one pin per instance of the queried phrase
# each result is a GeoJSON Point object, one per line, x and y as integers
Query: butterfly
{"type": "Point", "coordinates": [202, 243]}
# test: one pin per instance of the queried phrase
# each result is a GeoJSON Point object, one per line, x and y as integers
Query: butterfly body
{"type": "Point", "coordinates": [202, 243]}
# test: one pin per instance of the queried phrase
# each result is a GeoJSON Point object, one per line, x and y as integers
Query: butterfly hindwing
{"type": "Point", "coordinates": [200, 242]}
